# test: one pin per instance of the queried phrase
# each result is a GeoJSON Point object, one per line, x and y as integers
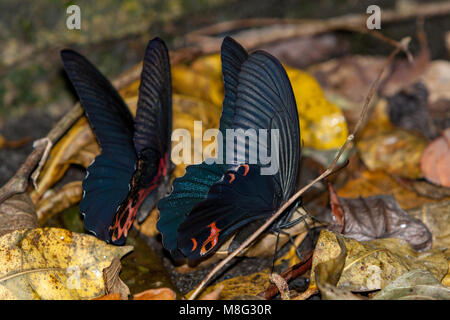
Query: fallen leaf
{"type": "Point", "coordinates": [55, 202]}
{"type": "Point", "coordinates": [397, 152]}
{"type": "Point", "coordinates": [435, 160]}
{"type": "Point", "coordinates": [371, 183]}
{"type": "Point", "coordinates": [187, 81]}
{"type": "Point", "coordinates": [377, 217]}
{"type": "Point", "coordinates": [414, 285]}
{"type": "Point", "coordinates": [436, 216]}
{"type": "Point", "coordinates": [113, 284]}
{"type": "Point", "coordinates": [17, 213]}
{"type": "Point", "coordinates": [322, 122]}
{"type": "Point", "coordinates": [78, 146]}
{"type": "Point", "coordinates": [156, 294]}
{"type": "Point", "coordinates": [52, 263]}
{"type": "Point", "coordinates": [425, 188]}
{"type": "Point", "coordinates": [249, 285]}
{"type": "Point", "coordinates": [371, 265]}
{"type": "Point", "coordinates": [328, 274]}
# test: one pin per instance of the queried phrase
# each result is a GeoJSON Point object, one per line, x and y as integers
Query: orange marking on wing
{"type": "Point", "coordinates": [142, 194]}
{"type": "Point", "coordinates": [246, 168]}
{"type": "Point", "coordinates": [232, 177]}
{"type": "Point", "coordinates": [123, 231]}
{"type": "Point", "coordinates": [213, 239]}
{"type": "Point", "coordinates": [195, 244]}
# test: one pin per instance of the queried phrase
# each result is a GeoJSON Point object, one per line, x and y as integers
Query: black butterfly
{"type": "Point", "coordinates": [133, 170]}
{"type": "Point", "coordinates": [213, 201]}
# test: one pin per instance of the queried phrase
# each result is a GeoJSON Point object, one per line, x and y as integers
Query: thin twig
{"type": "Point", "coordinates": [325, 174]}
{"type": "Point", "coordinates": [288, 275]}
{"type": "Point", "coordinates": [271, 30]}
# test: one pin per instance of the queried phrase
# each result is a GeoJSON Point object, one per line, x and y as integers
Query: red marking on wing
{"type": "Point", "coordinates": [195, 244]}
{"type": "Point", "coordinates": [246, 168]}
{"type": "Point", "coordinates": [213, 239]}
{"type": "Point", "coordinates": [130, 210]}
{"type": "Point", "coordinates": [232, 177]}
{"type": "Point", "coordinates": [131, 213]}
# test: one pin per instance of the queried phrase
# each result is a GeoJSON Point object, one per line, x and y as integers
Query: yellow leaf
{"type": "Point", "coordinates": [249, 285]}
{"type": "Point", "coordinates": [78, 146]}
{"type": "Point", "coordinates": [397, 152]}
{"type": "Point", "coordinates": [189, 82]}
{"type": "Point", "coordinates": [55, 202]}
{"type": "Point", "coordinates": [371, 265]}
{"type": "Point", "coordinates": [322, 123]}
{"type": "Point", "coordinates": [52, 263]}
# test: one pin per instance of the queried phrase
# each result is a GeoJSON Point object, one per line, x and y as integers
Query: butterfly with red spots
{"type": "Point", "coordinates": [133, 170]}
{"type": "Point", "coordinates": [213, 201]}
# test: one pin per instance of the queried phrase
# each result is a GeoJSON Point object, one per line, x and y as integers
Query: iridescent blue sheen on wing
{"type": "Point", "coordinates": [187, 191]}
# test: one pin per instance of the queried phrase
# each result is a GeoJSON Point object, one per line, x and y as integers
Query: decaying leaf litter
{"type": "Point", "coordinates": [388, 200]}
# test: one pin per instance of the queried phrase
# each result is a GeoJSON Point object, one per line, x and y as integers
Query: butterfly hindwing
{"type": "Point", "coordinates": [187, 191]}
{"type": "Point", "coordinates": [240, 197]}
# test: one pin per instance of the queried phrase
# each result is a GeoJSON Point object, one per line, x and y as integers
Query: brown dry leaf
{"type": "Point", "coordinates": [113, 284]}
{"type": "Point", "coordinates": [78, 146]}
{"type": "Point", "coordinates": [55, 202]}
{"type": "Point", "coordinates": [53, 263]}
{"type": "Point", "coordinates": [414, 285]}
{"type": "Point", "coordinates": [397, 152]}
{"type": "Point", "coordinates": [156, 294]}
{"type": "Point", "coordinates": [17, 213]}
{"type": "Point", "coordinates": [372, 183]}
{"type": "Point", "coordinates": [328, 274]}
{"type": "Point", "coordinates": [371, 265]}
{"type": "Point", "coordinates": [435, 161]}
{"type": "Point", "coordinates": [425, 188]}
{"type": "Point", "coordinates": [249, 285]}
{"type": "Point", "coordinates": [378, 217]}
{"type": "Point", "coordinates": [436, 216]}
